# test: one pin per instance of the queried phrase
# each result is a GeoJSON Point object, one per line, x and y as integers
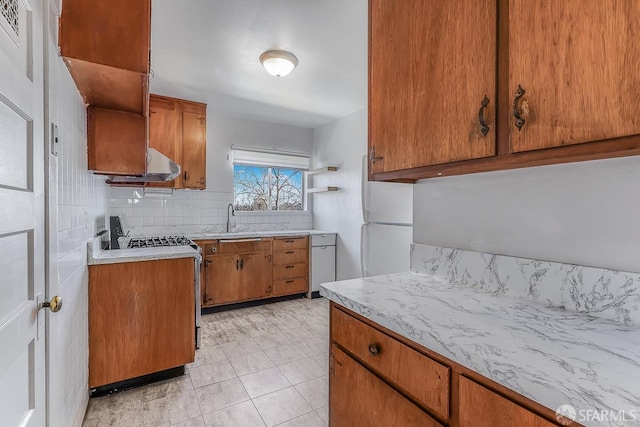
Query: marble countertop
{"type": "Point", "coordinates": [243, 234]}
{"type": "Point", "coordinates": [95, 255]}
{"type": "Point", "coordinates": [554, 357]}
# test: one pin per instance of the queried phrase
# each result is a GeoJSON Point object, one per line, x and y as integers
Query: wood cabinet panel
{"type": "Point", "coordinates": [116, 142]}
{"type": "Point", "coordinates": [291, 256]}
{"type": "Point", "coordinates": [297, 285]}
{"type": "Point", "coordinates": [581, 84]}
{"type": "Point", "coordinates": [423, 378]}
{"type": "Point", "coordinates": [287, 243]}
{"type": "Point", "coordinates": [289, 271]}
{"type": "Point", "coordinates": [106, 48]}
{"type": "Point", "coordinates": [129, 323]}
{"type": "Point", "coordinates": [255, 275]}
{"type": "Point", "coordinates": [481, 407]}
{"type": "Point", "coordinates": [164, 132]}
{"type": "Point", "coordinates": [222, 282]}
{"type": "Point", "coordinates": [194, 137]}
{"type": "Point", "coordinates": [430, 67]}
{"type": "Point", "coordinates": [359, 398]}
{"type": "Point", "coordinates": [116, 33]}
{"type": "Point", "coordinates": [237, 246]}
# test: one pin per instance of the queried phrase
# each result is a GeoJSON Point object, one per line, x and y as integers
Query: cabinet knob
{"type": "Point", "coordinates": [373, 349]}
{"type": "Point", "coordinates": [214, 249]}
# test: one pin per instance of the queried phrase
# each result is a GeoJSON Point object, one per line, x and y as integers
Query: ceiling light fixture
{"type": "Point", "coordinates": [278, 63]}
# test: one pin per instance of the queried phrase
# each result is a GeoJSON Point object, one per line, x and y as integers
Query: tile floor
{"type": "Point", "coordinates": [258, 366]}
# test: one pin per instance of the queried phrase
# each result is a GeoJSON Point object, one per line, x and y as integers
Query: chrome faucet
{"type": "Point", "coordinates": [233, 213]}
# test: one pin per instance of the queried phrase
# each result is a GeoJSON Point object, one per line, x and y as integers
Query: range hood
{"type": "Point", "coordinates": [159, 168]}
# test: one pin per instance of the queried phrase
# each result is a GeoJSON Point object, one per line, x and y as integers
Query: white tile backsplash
{"type": "Point", "coordinates": [193, 211]}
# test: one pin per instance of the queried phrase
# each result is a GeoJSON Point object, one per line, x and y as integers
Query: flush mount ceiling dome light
{"type": "Point", "coordinates": [278, 63]}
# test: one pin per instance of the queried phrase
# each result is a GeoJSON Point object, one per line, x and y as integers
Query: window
{"type": "Point", "coordinates": [267, 180]}
{"type": "Point", "coordinates": [259, 188]}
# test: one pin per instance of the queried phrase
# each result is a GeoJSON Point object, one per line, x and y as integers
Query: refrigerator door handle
{"type": "Point", "coordinates": [363, 190]}
{"type": "Point", "coordinates": [363, 232]}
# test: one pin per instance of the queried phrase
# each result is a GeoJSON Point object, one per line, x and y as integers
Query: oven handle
{"type": "Point", "coordinates": [198, 302]}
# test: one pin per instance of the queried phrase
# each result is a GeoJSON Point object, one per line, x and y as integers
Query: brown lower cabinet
{"type": "Point", "coordinates": [359, 398]}
{"type": "Point", "coordinates": [247, 269]}
{"type": "Point", "coordinates": [141, 318]}
{"type": "Point", "coordinates": [378, 378]}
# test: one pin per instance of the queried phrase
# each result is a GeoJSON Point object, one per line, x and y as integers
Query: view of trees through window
{"type": "Point", "coordinates": [258, 188]}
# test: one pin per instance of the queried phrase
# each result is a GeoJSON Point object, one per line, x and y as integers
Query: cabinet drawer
{"type": "Point", "coordinates": [290, 256]}
{"type": "Point", "coordinates": [289, 271]}
{"type": "Point", "coordinates": [426, 380]}
{"type": "Point", "coordinates": [232, 246]}
{"type": "Point", "coordinates": [323, 240]}
{"type": "Point", "coordinates": [481, 407]}
{"type": "Point", "coordinates": [284, 243]}
{"type": "Point", "coordinates": [290, 286]}
{"type": "Point", "coordinates": [359, 398]}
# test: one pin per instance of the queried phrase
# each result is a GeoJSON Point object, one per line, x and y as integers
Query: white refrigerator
{"type": "Point", "coordinates": [387, 226]}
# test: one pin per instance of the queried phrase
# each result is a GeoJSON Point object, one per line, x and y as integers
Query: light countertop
{"type": "Point", "coordinates": [95, 255]}
{"type": "Point", "coordinates": [552, 356]}
{"type": "Point", "coordinates": [243, 234]}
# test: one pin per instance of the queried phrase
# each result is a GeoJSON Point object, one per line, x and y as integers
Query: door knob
{"type": "Point", "coordinates": [55, 305]}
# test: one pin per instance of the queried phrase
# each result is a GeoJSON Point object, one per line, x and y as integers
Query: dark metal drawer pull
{"type": "Point", "coordinates": [516, 108]}
{"type": "Point", "coordinates": [289, 266]}
{"type": "Point", "coordinates": [289, 252]}
{"type": "Point", "coordinates": [289, 281]}
{"type": "Point", "coordinates": [483, 123]}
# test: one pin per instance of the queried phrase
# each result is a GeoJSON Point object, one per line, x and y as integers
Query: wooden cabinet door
{"type": "Point", "coordinates": [579, 64]}
{"type": "Point", "coordinates": [359, 398]}
{"type": "Point", "coordinates": [194, 137]}
{"type": "Point", "coordinates": [430, 66]}
{"type": "Point", "coordinates": [222, 279]}
{"type": "Point", "coordinates": [255, 275]}
{"type": "Point", "coordinates": [481, 407]}
{"type": "Point", "coordinates": [164, 132]}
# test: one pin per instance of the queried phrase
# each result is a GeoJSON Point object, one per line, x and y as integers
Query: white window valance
{"type": "Point", "coordinates": [270, 157]}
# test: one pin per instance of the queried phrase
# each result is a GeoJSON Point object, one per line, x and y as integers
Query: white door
{"type": "Point", "coordinates": [22, 334]}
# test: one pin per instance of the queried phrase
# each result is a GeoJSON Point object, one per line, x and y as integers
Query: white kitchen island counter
{"type": "Point", "coordinates": [551, 356]}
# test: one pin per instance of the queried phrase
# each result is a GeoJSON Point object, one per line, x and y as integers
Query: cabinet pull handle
{"type": "Point", "coordinates": [289, 281]}
{"type": "Point", "coordinates": [483, 123]}
{"type": "Point", "coordinates": [237, 264]}
{"type": "Point", "coordinates": [372, 156]}
{"type": "Point", "coordinates": [186, 176]}
{"type": "Point", "coordinates": [289, 252]}
{"type": "Point", "coordinates": [288, 241]}
{"type": "Point", "coordinates": [289, 266]}
{"type": "Point", "coordinates": [516, 108]}
{"type": "Point", "coordinates": [373, 349]}
{"type": "Point", "coordinates": [242, 264]}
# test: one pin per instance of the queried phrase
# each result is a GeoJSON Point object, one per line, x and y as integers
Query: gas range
{"type": "Point", "coordinates": [160, 241]}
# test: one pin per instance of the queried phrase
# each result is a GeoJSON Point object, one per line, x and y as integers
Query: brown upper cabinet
{"type": "Point", "coordinates": [431, 66]}
{"type": "Point", "coordinates": [178, 129]}
{"type": "Point", "coordinates": [579, 68]}
{"type": "Point", "coordinates": [106, 46]}
{"type": "Point", "coordinates": [560, 83]}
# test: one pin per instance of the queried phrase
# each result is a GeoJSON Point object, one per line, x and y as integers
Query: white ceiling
{"type": "Point", "coordinates": [207, 50]}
